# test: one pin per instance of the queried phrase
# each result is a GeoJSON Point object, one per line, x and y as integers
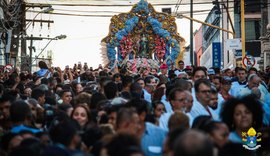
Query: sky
{"type": "Point", "coordinates": [84, 34]}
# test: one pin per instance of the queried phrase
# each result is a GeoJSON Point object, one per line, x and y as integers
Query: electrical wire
{"type": "Point", "coordinates": [196, 12]}
{"type": "Point", "coordinates": [124, 5]}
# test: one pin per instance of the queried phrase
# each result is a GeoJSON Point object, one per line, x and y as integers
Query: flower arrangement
{"type": "Point", "coordinates": [157, 27]}
{"type": "Point", "coordinates": [121, 41]}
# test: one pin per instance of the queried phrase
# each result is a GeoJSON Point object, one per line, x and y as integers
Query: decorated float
{"type": "Point", "coordinates": [142, 38]}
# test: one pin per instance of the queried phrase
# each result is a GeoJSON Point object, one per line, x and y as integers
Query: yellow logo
{"type": "Point", "coordinates": [250, 139]}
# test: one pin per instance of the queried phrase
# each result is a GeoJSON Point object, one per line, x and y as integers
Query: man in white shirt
{"type": "Point", "coordinates": [201, 106]}
{"type": "Point", "coordinates": [149, 88]}
{"type": "Point", "coordinates": [253, 81]}
{"type": "Point", "coordinates": [241, 74]}
{"type": "Point", "coordinates": [179, 101]}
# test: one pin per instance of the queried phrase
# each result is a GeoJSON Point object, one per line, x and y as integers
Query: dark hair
{"type": "Point", "coordinates": [158, 93]}
{"type": "Point", "coordinates": [116, 75]}
{"type": "Point", "coordinates": [64, 131]}
{"type": "Point", "coordinates": [148, 79]}
{"type": "Point", "coordinates": [181, 83]}
{"type": "Point", "coordinates": [173, 92]}
{"type": "Point", "coordinates": [127, 80]}
{"type": "Point", "coordinates": [62, 92]}
{"type": "Point", "coordinates": [124, 114]}
{"type": "Point", "coordinates": [240, 69]}
{"type": "Point", "coordinates": [201, 81]}
{"type": "Point", "coordinates": [91, 136]}
{"type": "Point", "coordinates": [42, 65]}
{"type": "Point", "coordinates": [138, 79]}
{"type": "Point", "coordinates": [173, 135]}
{"type": "Point", "coordinates": [178, 119]}
{"type": "Point", "coordinates": [36, 93]}
{"type": "Point", "coordinates": [217, 77]}
{"type": "Point", "coordinates": [4, 98]}
{"type": "Point", "coordinates": [252, 105]}
{"type": "Point", "coordinates": [181, 61]}
{"type": "Point", "coordinates": [95, 99]}
{"type": "Point", "coordinates": [226, 70]}
{"type": "Point", "coordinates": [83, 98]}
{"type": "Point", "coordinates": [30, 145]}
{"type": "Point", "coordinates": [193, 143]}
{"type": "Point", "coordinates": [123, 145]}
{"type": "Point", "coordinates": [5, 140]}
{"type": "Point", "coordinates": [19, 111]}
{"type": "Point", "coordinates": [210, 125]}
{"type": "Point", "coordinates": [199, 69]}
{"type": "Point", "coordinates": [213, 89]}
{"type": "Point", "coordinates": [103, 73]}
{"type": "Point", "coordinates": [169, 87]}
{"type": "Point", "coordinates": [136, 90]}
{"type": "Point", "coordinates": [110, 90]}
{"type": "Point", "coordinates": [64, 107]}
{"type": "Point", "coordinates": [139, 104]}
{"type": "Point", "coordinates": [156, 103]}
{"type": "Point", "coordinates": [11, 96]}
{"type": "Point", "coordinates": [199, 122]}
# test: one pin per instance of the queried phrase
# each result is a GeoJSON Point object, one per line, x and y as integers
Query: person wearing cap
{"type": "Point", "coordinates": [164, 69]}
{"type": "Point", "coordinates": [181, 75]}
{"type": "Point", "coordinates": [211, 73]}
{"type": "Point", "coordinates": [164, 72]}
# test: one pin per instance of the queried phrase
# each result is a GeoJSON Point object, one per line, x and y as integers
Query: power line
{"type": "Point", "coordinates": [125, 5]}
{"type": "Point", "coordinates": [197, 12]}
{"type": "Point", "coordinates": [97, 11]}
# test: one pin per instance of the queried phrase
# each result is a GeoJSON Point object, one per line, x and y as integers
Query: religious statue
{"type": "Point", "coordinates": [143, 50]}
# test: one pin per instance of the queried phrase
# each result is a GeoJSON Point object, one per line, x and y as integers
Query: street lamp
{"type": "Point", "coordinates": [60, 37]}
{"type": "Point", "coordinates": [47, 10]}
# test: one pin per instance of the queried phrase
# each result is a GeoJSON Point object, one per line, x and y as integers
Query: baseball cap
{"type": "Point", "coordinates": [211, 72]}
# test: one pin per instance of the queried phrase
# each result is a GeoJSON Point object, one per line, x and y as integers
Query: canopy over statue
{"type": "Point", "coordinates": [142, 36]}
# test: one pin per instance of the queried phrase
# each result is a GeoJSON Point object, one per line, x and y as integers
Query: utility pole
{"type": "Point", "coordinates": [243, 33]}
{"type": "Point", "coordinates": [24, 59]}
{"type": "Point", "coordinates": [26, 62]}
{"type": "Point", "coordinates": [31, 50]}
{"type": "Point", "coordinates": [264, 20]}
{"type": "Point", "coordinates": [191, 33]}
{"type": "Point", "coordinates": [32, 38]}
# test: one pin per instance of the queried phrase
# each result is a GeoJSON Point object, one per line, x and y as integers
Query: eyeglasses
{"type": "Point", "coordinates": [160, 109]}
{"type": "Point", "coordinates": [182, 100]}
{"type": "Point", "coordinates": [205, 91]}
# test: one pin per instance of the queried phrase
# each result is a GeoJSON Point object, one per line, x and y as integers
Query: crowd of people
{"type": "Point", "coordinates": [181, 111]}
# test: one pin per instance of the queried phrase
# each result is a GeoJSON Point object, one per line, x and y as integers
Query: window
{"type": "Point", "coordinates": [253, 29]}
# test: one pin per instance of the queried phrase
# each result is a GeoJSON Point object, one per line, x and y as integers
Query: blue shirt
{"type": "Point", "coordinates": [266, 114]}
{"type": "Point", "coordinates": [152, 140]}
{"type": "Point", "coordinates": [235, 88]}
{"type": "Point", "coordinates": [42, 72]}
{"type": "Point", "coordinates": [219, 106]}
{"type": "Point", "coordinates": [235, 138]}
{"type": "Point", "coordinates": [198, 109]}
{"type": "Point", "coordinates": [147, 96]}
{"type": "Point", "coordinates": [167, 104]}
{"type": "Point", "coordinates": [163, 120]}
{"type": "Point", "coordinates": [18, 129]}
